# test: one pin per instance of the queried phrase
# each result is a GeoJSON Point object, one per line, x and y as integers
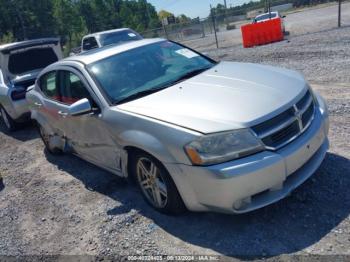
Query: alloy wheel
{"type": "Point", "coordinates": [151, 182]}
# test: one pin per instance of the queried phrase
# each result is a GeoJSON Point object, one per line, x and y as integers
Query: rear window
{"type": "Point", "coordinates": [265, 16]}
{"type": "Point", "coordinates": [89, 43]}
{"type": "Point", "coordinates": [119, 37]}
{"type": "Point", "coordinates": [32, 59]}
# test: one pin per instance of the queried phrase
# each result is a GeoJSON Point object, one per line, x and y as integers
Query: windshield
{"type": "Point", "coordinates": [151, 67]}
{"type": "Point", "coordinates": [265, 16]}
{"type": "Point", "coordinates": [30, 60]}
{"type": "Point", "coordinates": [119, 37]}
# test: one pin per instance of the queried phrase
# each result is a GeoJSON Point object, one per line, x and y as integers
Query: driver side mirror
{"type": "Point", "coordinates": [80, 107]}
{"type": "Point", "coordinates": [283, 16]}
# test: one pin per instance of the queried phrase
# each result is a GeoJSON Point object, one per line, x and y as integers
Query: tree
{"type": "Point", "coordinates": [183, 19]}
{"type": "Point", "coordinates": [164, 14]}
{"type": "Point", "coordinates": [67, 18]}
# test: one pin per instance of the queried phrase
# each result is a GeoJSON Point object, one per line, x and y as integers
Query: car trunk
{"type": "Point", "coordinates": [22, 64]}
{"type": "Point", "coordinates": [33, 59]}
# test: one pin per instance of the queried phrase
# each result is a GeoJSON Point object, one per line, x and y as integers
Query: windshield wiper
{"type": "Point", "coordinates": [137, 95]}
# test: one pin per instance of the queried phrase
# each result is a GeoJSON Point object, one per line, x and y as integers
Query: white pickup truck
{"type": "Point", "coordinates": [104, 38]}
{"type": "Point", "coordinates": [110, 37]}
{"type": "Point", "coordinates": [268, 16]}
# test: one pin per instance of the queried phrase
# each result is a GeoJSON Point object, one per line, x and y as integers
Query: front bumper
{"type": "Point", "coordinates": [250, 183]}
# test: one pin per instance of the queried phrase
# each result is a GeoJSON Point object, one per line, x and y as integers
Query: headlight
{"type": "Point", "coordinates": [222, 147]}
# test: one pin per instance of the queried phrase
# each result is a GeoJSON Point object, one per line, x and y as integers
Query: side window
{"type": "Point", "coordinates": [89, 43]}
{"type": "Point", "coordinates": [48, 85]}
{"type": "Point", "coordinates": [72, 88]}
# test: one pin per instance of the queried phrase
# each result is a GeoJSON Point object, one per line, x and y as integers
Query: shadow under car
{"type": "Point", "coordinates": [288, 226]}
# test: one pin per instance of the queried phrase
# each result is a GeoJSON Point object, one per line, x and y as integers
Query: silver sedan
{"type": "Point", "coordinates": [191, 132]}
{"type": "Point", "coordinates": [20, 64]}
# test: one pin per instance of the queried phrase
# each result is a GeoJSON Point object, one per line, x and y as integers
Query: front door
{"type": "Point", "coordinates": [87, 134]}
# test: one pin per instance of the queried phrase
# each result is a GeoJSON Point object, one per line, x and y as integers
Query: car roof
{"type": "Point", "coordinates": [110, 50]}
{"type": "Point", "coordinates": [6, 48]}
{"type": "Point", "coordinates": [106, 32]}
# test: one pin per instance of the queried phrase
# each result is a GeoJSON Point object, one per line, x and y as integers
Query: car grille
{"type": "Point", "coordinates": [285, 127]}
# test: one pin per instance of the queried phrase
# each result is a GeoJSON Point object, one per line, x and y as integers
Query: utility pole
{"type": "Point", "coordinates": [213, 20]}
{"type": "Point", "coordinates": [165, 31]}
{"type": "Point", "coordinates": [339, 13]}
{"type": "Point", "coordinates": [225, 13]}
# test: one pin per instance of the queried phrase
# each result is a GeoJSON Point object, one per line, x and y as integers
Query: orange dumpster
{"type": "Point", "coordinates": [262, 33]}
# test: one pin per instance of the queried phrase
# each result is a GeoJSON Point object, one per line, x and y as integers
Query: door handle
{"type": "Point", "coordinates": [62, 114]}
{"type": "Point", "coordinates": [38, 104]}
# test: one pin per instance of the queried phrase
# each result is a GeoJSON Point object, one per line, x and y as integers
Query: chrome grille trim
{"type": "Point", "coordinates": [277, 128]}
{"type": "Point", "coordinates": [287, 126]}
{"type": "Point", "coordinates": [303, 109]}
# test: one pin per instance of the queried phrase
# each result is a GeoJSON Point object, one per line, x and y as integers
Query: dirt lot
{"type": "Point", "coordinates": [63, 206]}
{"type": "Point", "coordinates": [309, 20]}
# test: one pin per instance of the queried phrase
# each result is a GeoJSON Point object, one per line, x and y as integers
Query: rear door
{"type": "Point", "coordinates": [50, 106]}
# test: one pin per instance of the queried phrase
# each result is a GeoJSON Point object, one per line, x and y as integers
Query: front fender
{"type": "Point", "coordinates": [147, 143]}
{"type": "Point", "coordinates": [324, 110]}
{"type": "Point", "coordinates": [5, 101]}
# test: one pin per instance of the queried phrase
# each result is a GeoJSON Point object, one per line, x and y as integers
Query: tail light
{"type": "Point", "coordinates": [18, 94]}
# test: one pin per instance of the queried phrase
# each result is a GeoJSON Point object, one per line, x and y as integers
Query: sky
{"type": "Point", "coordinates": [191, 8]}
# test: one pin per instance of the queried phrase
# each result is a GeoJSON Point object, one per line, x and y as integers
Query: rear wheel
{"type": "Point", "coordinates": [45, 136]}
{"type": "Point", "coordinates": [156, 185]}
{"type": "Point", "coordinates": [10, 124]}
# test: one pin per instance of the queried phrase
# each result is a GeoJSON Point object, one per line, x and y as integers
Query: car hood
{"type": "Point", "coordinates": [228, 96]}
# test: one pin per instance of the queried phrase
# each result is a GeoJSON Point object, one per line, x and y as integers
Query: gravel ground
{"type": "Point", "coordinates": [64, 206]}
{"type": "Point", "coordinates": [323, 57]}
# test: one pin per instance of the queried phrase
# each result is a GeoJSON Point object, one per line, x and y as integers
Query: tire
{"type": "Point", "coordinates": [9, 123]}
{"type": "Point", "coordinates": [45, 137]}
{"type": "Point", "coordinates": [155, 184]}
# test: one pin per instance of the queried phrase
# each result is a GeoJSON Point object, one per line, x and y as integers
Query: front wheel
{"type": "Point", "coordinates": [10, 124]}
{"type": "Point", "coordinates": [156, 185]}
